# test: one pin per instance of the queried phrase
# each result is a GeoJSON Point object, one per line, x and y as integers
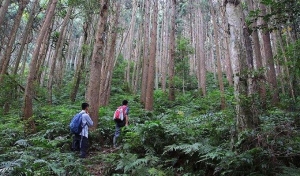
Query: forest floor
{"type": "Point", "coordinates": [95, 166]}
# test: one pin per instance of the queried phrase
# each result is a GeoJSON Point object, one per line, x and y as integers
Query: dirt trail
{"type": "Point", "coordinates": [96, 168]}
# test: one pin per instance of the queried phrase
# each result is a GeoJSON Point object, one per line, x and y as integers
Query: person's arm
{"type": "Point", "coordinates": [126, 116]}
{"type": "Point", "coordinates": [89, 121]}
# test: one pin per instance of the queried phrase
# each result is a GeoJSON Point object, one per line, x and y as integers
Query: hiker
{"type": "Point", "coordinates": [80, 139]}
{"type": "Point", "coordinates": [122, 122]}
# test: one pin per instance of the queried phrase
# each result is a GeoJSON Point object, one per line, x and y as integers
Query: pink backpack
{"type": "Point", "coordinates": [120, 113]}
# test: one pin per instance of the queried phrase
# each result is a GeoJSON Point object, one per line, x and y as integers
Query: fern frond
{"type": "Point", "coordinates": [22, 142]}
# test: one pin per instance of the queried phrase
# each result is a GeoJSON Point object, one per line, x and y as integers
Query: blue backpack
{"type": "Point", "coordinates": [75, 125]}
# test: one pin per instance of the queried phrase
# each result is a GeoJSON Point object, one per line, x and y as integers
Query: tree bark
{"type": "Point", "coordinates": [3, 10]}
{"type": "Point", "coordinates": [25, 36]}
{"type": "Point", "coordinates": [96, 64]}
{"type": "Point", "coordinates": [108, 63]}
{"type": "Point", "coordinates": [201, 55]}
{"type": "Point", "coordinates": [219, 67]}
{"type": "Point", "coordinates": [237, 53]}
{"type": "Point", "coordinates": [12, 38]}
{"type": "Point", "coordinates": [31, 79]}
{"type": "Point", "coordinates": [269, 58]}
{"type": "Point", "coordinates": [253, 106]}
{"type": "Point", "coordinates": [79, 71]}
{"type": "Point", "coordinates": [152, 58]}
{"type": "Point", "coordinates": [172, 53]}
{"type": "Point", "coordinates": [146, 52]}
{"type": "Point", "coordinates": [130, 43]}
{"type": "Point", "coordinates": [58, 48]}
{"type": "Point", "coordinates": [165, 47]}
{"type": "Point", "coordinates": [226, 51]}
{"type": "Point", "coordinates": [258, 59]}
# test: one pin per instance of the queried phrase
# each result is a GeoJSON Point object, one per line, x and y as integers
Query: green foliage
{"type": "Point", "coordinates": [45, 153]}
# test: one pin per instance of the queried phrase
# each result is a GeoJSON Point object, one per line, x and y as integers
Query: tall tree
{"type": "Point", "coordinates": [258, 58]}
{"type": "Point", "coordinates": [237, 53]}
{"type": "Point", "coordinates": [80, 70]}
{"type": "Point", "coordinates": [3, 10]}
{"type": "Point", "coordinates": [271, 74]}
{"type": "Point", "coordinates": [165, 53]}
{"type": "Point", "coordinates": [146, 52]}
{"type": "Point", "coordinates": [200, 52]}
{"type": "Point", "coordinates": [96, 64]}
{"type": "Point", "coordinates": [172, 52]}
{"type": "Point", "coordinates": [25, 35]}
{"type": "Point", "coordinates": [31, 79]}
{"type": "Point", "coordinates": [56, 55]}
{"type": "Point", "coordinates": [128, 52]}
{"type": "Point", "coordinates": [7, 54]}
{"type": "Point", "coordinates": [108, 62]}
{"type": "Point", "coordinates": [219, 67]}
{"type": "Point", "coordinates": [152, 58]}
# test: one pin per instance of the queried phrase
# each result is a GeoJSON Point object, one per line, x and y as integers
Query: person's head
{"type": "Point", "coordinates": [85, 106]}
{"type": "Point", "coordinates": [125, 102]}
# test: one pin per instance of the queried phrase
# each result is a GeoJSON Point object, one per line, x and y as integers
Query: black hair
{"type": "Point", "coordinates": [125, 102]}
{"type": "Point", "coordinates": [84, 106]}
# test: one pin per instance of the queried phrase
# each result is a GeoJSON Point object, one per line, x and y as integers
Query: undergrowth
{"type": "Point", "coordinates": [190, 136]}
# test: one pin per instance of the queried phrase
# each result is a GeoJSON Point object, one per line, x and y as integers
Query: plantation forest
{"type": "Point", "coordinates": [213, 87]}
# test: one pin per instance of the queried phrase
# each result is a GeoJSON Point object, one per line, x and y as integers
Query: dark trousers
{"type": "Point", "coordinates": [80, 143]}
{"type": "Point", "coordinates": [83, 146]}
{"type": "Point", "coordinates": [76, 142]}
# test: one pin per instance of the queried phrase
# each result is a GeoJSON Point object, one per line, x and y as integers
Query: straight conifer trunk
{"type": "Point", "coordinates": [96, 64]}
{"type": "Point", "coordinates": [146, 52]}
{"type": "Point", "coordinates": [237, 53]}
{"type": "Point", "coordinates": [108, 63]}
{"type": "Point", "coordinates": [151, 68]}
{"type": "Point", "coordinates": [269, 58]}
{"type": "Point", "coordinates": [172, 53]}
{"type": "Point", "coordinates": [4, 63]}
{"type": "Point", "coordinates": [31, 79]}
{"type": "Point", "coordinates": [25, 35]}
{"type": "Point", "coordinates": [165, 53]}
{"type": "Point", "coordinates": [80, 70]}
{"type": "Point", "coordinates": [58, 49]}
{"type": "Point", "coordinates": [219, 67]}
{"type": "Point", "coordinates": [201, 55]}
{"type": "Point", "coordinates": [3, 10]}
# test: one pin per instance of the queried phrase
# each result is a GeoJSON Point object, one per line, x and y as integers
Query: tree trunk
{"type": "Point", "coordinates": [96, 64]}
{"type": "Point", "coordinates": [165, 47]}
{"type": "Point", "coordinates": [31, 79]}
{"type": "Point", "coordinates": [269, 58]}
{"type": "Point", "coordinates": [226, 51]}
{"type": "Point", "coordinates": [108, 62]}
{"type": "Point", "coordinates": [201, 57]}
{"type": "Point", "coordinates": [286, 69]}
{"type": "Point", "coordinates": [79, 71]}
{"type": "Point", "coordinates": [152, 58]}
{"type": "Point", "coordinates": [138, 60]}
{"type": "Point", "coordinates": [3, 10]}
{"type": "Point", "coordinates": [219, 67]}
{"type": "Point", "coordinates": [12, 38]}
{"type": "Point", "coordinates": [58, 48]}
{"type": "Point", "coordinates": [25, 36]}
{"type": "Point", "coordinates": [172, 53]}
{"type": "Point", "coordinates": [258, 59]}
{"type": "Point", "coordinates": [130, 43]}
{"type": "Point", "coordinates": [234, 14]}
{"type": "Point", "coordinates": [252, 105]}
{"type": "Point", "coordinates": [146, 52]}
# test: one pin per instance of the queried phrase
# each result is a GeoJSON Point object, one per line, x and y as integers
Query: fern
{"type": "Point", "coordinates": [8, 167]}
{"type": "Point", "coordinates": [22, 142]}
{"type": "Point", "coordinates": [189, 149]}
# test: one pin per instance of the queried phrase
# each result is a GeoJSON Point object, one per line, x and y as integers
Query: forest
{"type": "Point", "coordinates": [213, 86]}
